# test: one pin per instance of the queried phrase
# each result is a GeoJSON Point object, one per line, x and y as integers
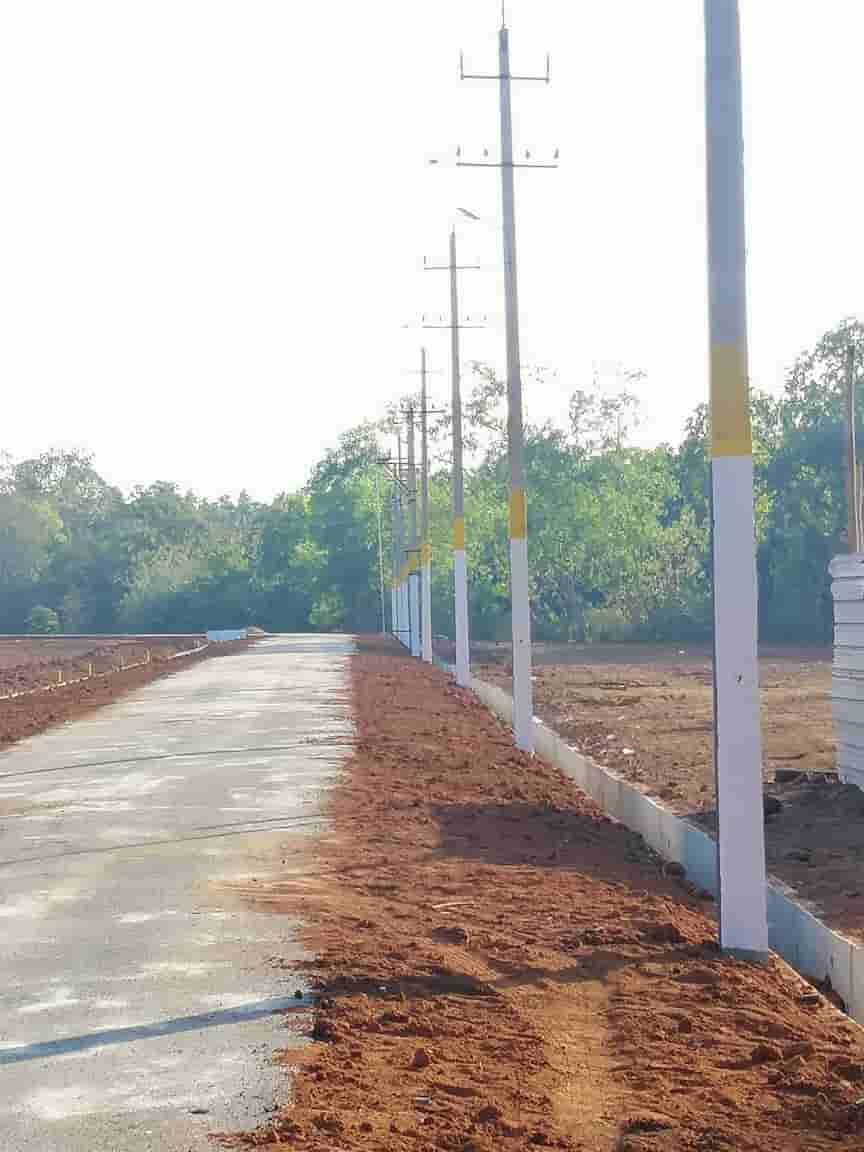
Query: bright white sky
{"type": "Point", "coordinates": [213, 214]}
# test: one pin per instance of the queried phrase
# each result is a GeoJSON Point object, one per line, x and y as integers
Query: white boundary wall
{"type": "Point", "coordinates": [847, 678]}
{"type": "Point", "coordinates": [800, 937]}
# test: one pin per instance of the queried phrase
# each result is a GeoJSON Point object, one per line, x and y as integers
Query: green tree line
{"type": "Point", "coordinates": [619, 536]}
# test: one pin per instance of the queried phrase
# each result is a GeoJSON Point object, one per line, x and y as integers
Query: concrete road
{"type": "Point", "coordinates": [138, 1005]}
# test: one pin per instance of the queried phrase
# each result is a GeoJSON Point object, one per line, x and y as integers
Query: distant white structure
{"type": "Point", "coordinates": [847, 681]}
{"type": "Point", "coordinates": [223, 635]}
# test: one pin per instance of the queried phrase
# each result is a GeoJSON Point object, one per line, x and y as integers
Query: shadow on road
{"type": "Point", "coordinates": [240, 1014]}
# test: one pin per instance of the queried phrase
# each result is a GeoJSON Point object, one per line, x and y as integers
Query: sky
{"type": "Point", "coordinates": [214, 214]}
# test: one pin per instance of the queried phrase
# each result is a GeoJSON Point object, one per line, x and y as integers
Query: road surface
{"type": "Point", "coordinates": [138, 1004]}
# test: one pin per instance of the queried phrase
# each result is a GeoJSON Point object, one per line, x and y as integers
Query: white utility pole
{"type": "Point", "coordinates": [380, 551]}
{"type": "Point", "coordinates": [460, 567]}
{"type": "Point", "coordinates": [404, 627]}
{"type": "Point", "coordinates": [412, 549]}
{"type": "Point", "coordinates": [737, 735]}
{"type": "Point", "coordinates": [425, 543]}
{"type": "Point", "coordinates": [520, 608]}
{"type": "Point", "coordinates": [853, 494]}
{"type": "Point", "coordinates": [419, 548]}
{"type": "Point", "coordinates": [394, 553]}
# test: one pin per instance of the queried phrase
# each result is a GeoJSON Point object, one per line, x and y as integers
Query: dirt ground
{"type": "Point", "coordinates": [647, 711]}
{"type": "Point", "coordinates": [28, 650]}
{"type": "Point", "coordinates": [25, 715]}
{"type": "Point", "coordinates": [647, 714]}
{"type": "Point", "coordinates": [27, 662]}
{"type": "Point", "coordinates": [501, 967]}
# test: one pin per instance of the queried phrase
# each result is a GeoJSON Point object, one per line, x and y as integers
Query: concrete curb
{"type": "Point", "coordinates": [800, 937]}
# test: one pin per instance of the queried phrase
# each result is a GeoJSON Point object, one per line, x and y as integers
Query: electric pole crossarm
{"type": "Point", "coordinates": [502, 164]}
{"type": "Point", "coordinates": [397, 480]}
{"type": "Point", "coordinates": [463, 75]}
{"type": "Point", "coordinates": [499, 76]}
{"type": "Point", "coordinates": [485, 163]}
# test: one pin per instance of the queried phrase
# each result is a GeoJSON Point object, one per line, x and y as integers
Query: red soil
{"type": "Point", "coordinates": [501, 967]}
{"type": "Point", "coordinates": [651, 721]}
{"type": "Point", "coordinates": [23, 716]}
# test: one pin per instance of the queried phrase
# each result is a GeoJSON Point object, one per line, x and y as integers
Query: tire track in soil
{"type": "Point", "coordinates": [500, 967]}
{"type": "Point", "coordinates": [586, 1099]}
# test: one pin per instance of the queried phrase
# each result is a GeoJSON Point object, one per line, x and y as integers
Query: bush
{"type": "Point", "coordinates": [607, 624]}
{"type": "Point", "coordinates": [42, 621]}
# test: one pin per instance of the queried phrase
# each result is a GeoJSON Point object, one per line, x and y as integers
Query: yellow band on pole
{"type": "Point", "coordinates": [459, 534]}
{"type": "Point", "coordinates": [412, 563]}
{"type": "Point", "coordinates": [518, 514]}
{"type": "Point", "coordinates": [426, 553]}
{"type": "Point", "coordinates": [730, 409]}
{"type": "Point", "coordinates": [403, 573]}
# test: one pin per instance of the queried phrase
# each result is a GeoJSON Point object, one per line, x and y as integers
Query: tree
{"type": "Point", "coordinates": [43, 621]}
{"type": "Point", "coordinates": [342, 525]}
{"type": "Point", "coordinates": [619, 536]}
{"type": "Point", "coordinates": [802, 481]}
